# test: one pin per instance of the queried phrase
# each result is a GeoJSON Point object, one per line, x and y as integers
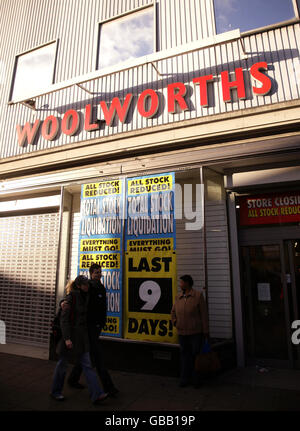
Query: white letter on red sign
{"type": "Point", "coordinates": [239, 84]}
{"type": "Point", "coordinates": [154, 104]}
{"type": "Point", "coordinates": [265, 80]}
{"type": "Point", "coordinates": [116, 107]}
{"type": "Point", "coordinates": [50, 128]}
{"type": "Point", "coordinates": [176, 97]}
{"type": "Point", "coordinates": [202, 81]}
{"type": "Point", "coordinates": [70, 122]}
{"type": "Point", "coordinates": [28, 133]}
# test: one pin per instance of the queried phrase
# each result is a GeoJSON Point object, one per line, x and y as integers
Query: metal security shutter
{"type": "Point", "coordinates": [28, 260]}
{"type": "Point", "coordinates": [189, 253]}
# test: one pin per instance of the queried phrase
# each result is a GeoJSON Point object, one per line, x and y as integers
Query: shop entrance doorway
{"type": "Point", "coordinates": [270, 277]}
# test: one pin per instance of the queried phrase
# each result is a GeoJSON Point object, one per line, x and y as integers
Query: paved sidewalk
{"type": "Point", "coordinates": [25, 384]}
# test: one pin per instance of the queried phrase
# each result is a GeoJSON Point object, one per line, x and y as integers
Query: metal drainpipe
{"type": "Point", "coordinates": [236, 282]}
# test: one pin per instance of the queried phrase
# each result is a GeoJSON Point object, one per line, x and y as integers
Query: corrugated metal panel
{"type": "Point", "coordinates": [190, 259]}
{"type": "Point", "coordinates": [28, 259]}
{"type": "Point", "coordinates": [75, 24]}
{"type": "Point", "coordinates": [218, 270]}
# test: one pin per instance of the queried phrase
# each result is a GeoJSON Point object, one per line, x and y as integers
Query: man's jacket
{"type": "Point", "coordinates": [189, 313]}
{"type": "Point", "coordinates": [96, 314]}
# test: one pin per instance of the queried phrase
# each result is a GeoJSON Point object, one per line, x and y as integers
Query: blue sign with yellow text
{"type": "Point", "coordinates": [101, 242]}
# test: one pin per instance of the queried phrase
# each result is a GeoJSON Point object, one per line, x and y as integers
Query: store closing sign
{"type": "Point", "coordinates": [150, 258]}
{"type": "Point", "coordinates": [270, 208]}
{"type": "Point", "coordinates": [101, 242]}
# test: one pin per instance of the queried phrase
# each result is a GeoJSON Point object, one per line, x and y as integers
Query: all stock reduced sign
{"type": "Point", "coordinates": [150, 258]}
{"type": "Point", "coordinates": [101, 242]}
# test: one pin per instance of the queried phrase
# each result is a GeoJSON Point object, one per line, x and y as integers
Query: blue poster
{"type": "Point", "coordinates": [101, 242]}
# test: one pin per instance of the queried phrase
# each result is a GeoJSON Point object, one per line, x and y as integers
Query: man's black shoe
{"type": "Point", "coordinates": [76, 385]}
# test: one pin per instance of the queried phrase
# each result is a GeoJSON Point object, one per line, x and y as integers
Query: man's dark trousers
{"type": "Point", "coordinates": [190, 346]}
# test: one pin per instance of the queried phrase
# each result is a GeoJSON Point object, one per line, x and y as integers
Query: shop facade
{"type": "Point", "coordinates": [210, 116]}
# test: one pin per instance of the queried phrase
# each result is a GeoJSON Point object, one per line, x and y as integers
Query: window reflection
{"type": "Point", "coordinates": [125, 38]}
{"type": "Point", "coordinates": [34, 71]}
{"type": "Point", "coordinates": [248, 15]}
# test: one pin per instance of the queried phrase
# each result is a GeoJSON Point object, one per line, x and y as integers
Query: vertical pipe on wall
{"type": "Point", "coordinates": [236, 282]}
{"type": "Point", "coordinates": [63, 243]}
{"type": "Point", "coordinates": [61, 210]}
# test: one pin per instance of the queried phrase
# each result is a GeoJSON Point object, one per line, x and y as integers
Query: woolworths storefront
{"type": "Point", "coordinates": [181, 158]}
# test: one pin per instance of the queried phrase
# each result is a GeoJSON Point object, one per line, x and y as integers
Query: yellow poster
{"type": "Point", "coordinates": [150, 184]}
{"type": "Point", "coordinates": [105, 260]}
{"type": "Point", "coordinates": [151, 288]}
{"type": "Point", "coordinates": [150, 258]}
{"type": "Point", "coordinates": [100, 244]}
{"type": "Point", "coordinates": [112, 325]}
{"type": "Point", "coordinates": [103, 188]}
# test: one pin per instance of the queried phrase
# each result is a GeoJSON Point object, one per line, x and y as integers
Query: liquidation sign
{"type": "Point", "coordinates": [101, 242]}
{"type": "Point", "coordinates": [270, 208]}
{"type": "Point", "coordinates": [150, 258]}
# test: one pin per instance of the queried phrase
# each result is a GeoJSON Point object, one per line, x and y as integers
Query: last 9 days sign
{"type": "Point", "coordinates": [150, 258]}
{"type": "Point", "coordinates": [101, 242]}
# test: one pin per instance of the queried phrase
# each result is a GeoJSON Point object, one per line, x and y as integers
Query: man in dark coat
{"type": "Point", "coordinates": [96, 318]}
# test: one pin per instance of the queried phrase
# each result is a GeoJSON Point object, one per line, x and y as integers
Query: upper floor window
{"type": "Point", "coordinates": [127, 37]}
{"type": "Point", "coordinates": [34, 71]}
{"type": "Point", "coordinates": [250, 14]}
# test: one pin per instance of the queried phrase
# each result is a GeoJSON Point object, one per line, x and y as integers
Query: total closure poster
{"type": "Point", "coordinates": [150, 258]}
{"type": "Point", "coordinates": [101, 242]}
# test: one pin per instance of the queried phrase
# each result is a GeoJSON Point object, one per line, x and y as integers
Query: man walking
{"type": "Point", "coordinates": [96, 318]}
{"type": "Point", "coordinates": [190, 317]}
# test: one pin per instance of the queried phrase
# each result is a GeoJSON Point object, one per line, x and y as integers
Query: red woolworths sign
{"type": "Point", "coordinates": [147, 104]}
{"type": "Point", "coordinates": [270, 209]}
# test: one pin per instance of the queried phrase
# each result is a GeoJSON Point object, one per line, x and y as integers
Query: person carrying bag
{"type": "Point", "coordinates": [207, 361]}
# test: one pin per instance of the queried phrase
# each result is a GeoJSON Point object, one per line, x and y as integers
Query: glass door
{"type": "Point", "coordinates": [266, 305]}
